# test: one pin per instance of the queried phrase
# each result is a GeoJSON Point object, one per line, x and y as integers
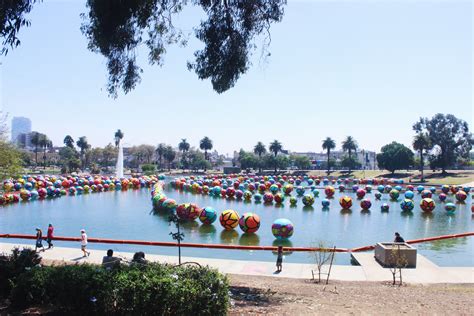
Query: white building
{"type": "Point", "coordinates": [20, 125]}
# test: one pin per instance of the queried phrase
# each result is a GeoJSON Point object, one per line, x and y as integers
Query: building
{"type": "Point", "coordinates": [20, 125]}
{"type": "Point", "coordinates": [366, 158]}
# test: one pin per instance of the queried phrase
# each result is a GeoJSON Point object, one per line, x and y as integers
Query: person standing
{"type": "Point", "coordinates": [84, 243]}
{"type": "Point", "coordinates": [50, 236]}
{"type": "Point", "coordinates": [39, 239]}
{"type": "Point", "coordinates": [279, 258]}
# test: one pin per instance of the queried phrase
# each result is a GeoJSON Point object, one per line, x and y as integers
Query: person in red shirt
{"type": "Point", "coordinates": [49, 237]}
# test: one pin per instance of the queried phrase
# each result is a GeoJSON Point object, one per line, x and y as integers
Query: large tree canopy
{"type": "Point", "coordinates": [395, 156]}
{"type": "Point", "coordinates": [117, 28]}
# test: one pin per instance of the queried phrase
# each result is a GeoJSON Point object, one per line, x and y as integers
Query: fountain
{"type": "Point", "coordinates": [119, 166]}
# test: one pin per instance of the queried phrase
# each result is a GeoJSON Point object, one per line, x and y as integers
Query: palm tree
{"type": "Point", "coordinates": [83, 146]}
{"type": "Point", "coordinates": [275, 147]}
{"type": "Point", "coordinates": [421, 143]}
{"type": "Point", "coordinates": [69, 141]}
{"type": "Point", "coordinates": [118, 137]}
{"type": "Point", "coordinates": [259, 150]}
{"type": "Point", "coordinates": [329, 144]}
{"type": "Point", "coordinates": [36, 141]}
{"type": "Point", "coordinates": [45, 143]}
{"type": "Point", "coordinates": [183, 146]}
{"type": "Point", "coordinates": [349, 145]}
{"type": "Point", "coordinates": [205, 144]}
{"type": "Point", "coordinates": [169, 155]}
{"type": "Point", "coordinates": [160, 152]}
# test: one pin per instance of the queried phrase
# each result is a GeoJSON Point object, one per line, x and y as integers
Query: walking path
{"type": "Point", "coordinates": [369, 270]}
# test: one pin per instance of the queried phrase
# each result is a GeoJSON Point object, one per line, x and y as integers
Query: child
{"type": "Point", "coordinates": [39, 239]}
{"type": "Point", "coordinates": [84, 243]}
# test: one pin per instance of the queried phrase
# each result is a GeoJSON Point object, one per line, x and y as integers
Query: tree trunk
{"type": "Point", "coordinates": [329, 167]}
{"type": "Point", "coordinates": [422, 164]}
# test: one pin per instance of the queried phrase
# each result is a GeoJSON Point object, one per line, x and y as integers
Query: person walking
{"type": "Point", "coordinates": [279, 258]}
{"type": "Point", "coordinates": [39, 239]}
{"type": "Point", "coordinates": [50, 236]}
{"type": "Point", "coordinates": [84, 243]}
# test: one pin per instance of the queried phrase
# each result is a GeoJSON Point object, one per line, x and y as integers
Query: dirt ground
{"type": "Point", "coordinates": [280, 296]}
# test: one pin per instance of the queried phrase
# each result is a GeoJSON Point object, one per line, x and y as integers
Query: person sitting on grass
{"type": "Point", "coordinates": [139, 257]}
{"type": "Point", "coordinates": [110, 261]}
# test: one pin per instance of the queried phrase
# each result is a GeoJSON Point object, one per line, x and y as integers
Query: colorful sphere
{"type": "Point", "coordinates": [299, 190]}
{"type": "Point", "coordinates": [360, 193]}
{"type": "Point", "coordinates": [282, 228]}
{"type": "Point", "coordinates": [308, 200]}
{"type": "Point", "coordinates": [345, 202]}
{"type": "Point", "coordinates": [329, 191]}
{"type": "Point", "coordinates": [257, 197]}
{"type": "Point", "coordinates": [188, 211]}
{"type": "Point", "coordinates": [268, 198]}
{"type": "Point", "coordinates": [325, 202]}
{"type": "Point", "coordinates": [461, 196]}
{"type": "Point", "coordinates": [378, 195]}
{"type": "Point", "coordinates": [279, 198]}
{"type": "Point", "coordinates": [420, 188]}
{"type": "Point", "coordinates": [445, 189]}
{"type": "Point", "coordinates": [409, 195]}
{"type": "Point", "coordinates": [427, 204]}
{"type": "Point", "coordinates": [249, 222]}
{"type": "Point", "coordinates": [288, 188]}
{"type": "Point", "coordinates": [169, 204]}
{"type": "Point", "coordinates": [229, 219]}
{"type": "Point", "coordinates": [407, 205]}
{"type": "Point", "coordinates": [365, 204]}
{"type": "Point", "coordinates": [394, 194]}
{"type": "Point", "coordinates": [442, 197]}
{"type": "Point", "coordinates": [293, 200]}
{"type": "Point", "coordinates": [247, 195]}
{"type": "Point", "coordinates": [426, 194]}
{"type": "Point", "coordinates": [384, 207]}
{"type": "Point", "coordinates": [208, 215]}
{"type": "Point", "coordinates": [274, 188]}
{"type": "Point", "coordinates": [450, 207]}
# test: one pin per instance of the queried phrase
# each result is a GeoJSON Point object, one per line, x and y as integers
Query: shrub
{"type": "Point", "coordinates": [154, 289]}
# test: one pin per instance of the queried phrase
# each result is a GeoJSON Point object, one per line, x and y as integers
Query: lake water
{"type": "Point", "coordinates": [126, 215]}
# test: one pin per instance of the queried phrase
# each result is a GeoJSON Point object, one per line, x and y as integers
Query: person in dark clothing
{"type": "Point", "coordinates": [50, 236]}
{"type": "Point", "coordinates": [39, 239]}
{"type": "Point", "coordinates": [139, 257]}
{"type": "Point", "coordinates": [110, 261]}
{"type": "Point", "coordinates": [398, 238]}
{"type": "Point", "coordinates": [279, 258]}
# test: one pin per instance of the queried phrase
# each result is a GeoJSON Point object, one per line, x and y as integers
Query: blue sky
{"type": "Point", "coordinates": [368, 69]}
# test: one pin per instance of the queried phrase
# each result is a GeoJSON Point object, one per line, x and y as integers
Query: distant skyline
{"type": "Point", "coordinates": [368, 69]}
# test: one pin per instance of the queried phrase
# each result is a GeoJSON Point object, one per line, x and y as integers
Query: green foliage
{"type": "Point", "coordinates": [395, 156]}
{"type": "Point", "coordinates": [153, 289]}
{"type": "Point", "coordinates": [350, 162]}
{"type": "Point", "coordinates": [349, 145]}
{"type": "Point", "coordinates": [197, 161]}
{"type": "Point", "coordinates": [118, 137]}
{"type": "Point", "coordinates": [450, 137]}
{"type": "Point", "coordinates": [69, 141]}
{"type": "Point", "coordinates": [301, 162]}
{"type": "Point", "coordinates": [69, 159]}
{"type": "Point", "coordinates": [149, 169]}
{"type": "Point", "coordinates": [10, 160]}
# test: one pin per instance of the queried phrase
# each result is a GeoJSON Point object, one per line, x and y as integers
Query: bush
{"type": "Point", "coordinates": [154, 289]}
{"type": "Point", "coordinates": [11, 266]}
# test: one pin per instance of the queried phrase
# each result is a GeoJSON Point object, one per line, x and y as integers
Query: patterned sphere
{"type": "Point", "coordinates": [342, 188]}
{"type": "Point", "coordinates": [465, 188]}
{"type": "Point", "coordinates": [384, 207]}
{"type": "Point", "coordinates": [461, 196]}
{"type": "Point", "coordinates": [407, 205]}
{"type": "Point", "coordinates": [239, 194]}
{"type": "Point", "coordinates": [230, 192]}
{"type": "Point", "coordinates": [188, 212]}
{"type": "Point", "coordinates": [355, 188]}
{"type": "Point", "coordinates": [426, 194]}
{"type": "Point", "coordinates": [329, 191]}
{"type": "Point", "coordinates": [25, 195]}
{"type": "Point", "coordinates": [279, 198]}
{"type": "Point", "coordinates": [249, 222]}
{"type": "Point", "coordinates": [409, 195]}
{"type": "Point", "coordinates": [345, 202]}
{"type": "Point", "coordinates": [325, 202]}
{"type": "Point", "coordinates": [420, 188]}
{"type": "Point", "coordinates": [381, 188]}
{"type": "Point", "coordinates": [247, 195]}
{"type": "Point", "coordinates": [378, 195]}
{"type": "Point", "coordinates": [445, 189]}
{"type": "Point", "coordinates": [257, 197]}
{"type": "Point", "coordinates": [268, 197]}
{"type": "Point", "coordinates": [308, 200]}
{"type": "Point", "coordinates": [299, 190]}
{"type": "Point", "coordinates": [433, 190]}
{"type": "Point", "coordinates": [169, 204]}
{"type": "Point", "coordinates": [282, 228]}
{"type": "Point", "coordinates": [388, 188]}
{"type": "Point", "coordinates": [229, 219]}
{"type": "Point", "coordinates": [274, 188]}
{"type": "Point", "coordinates": [365, 204]}
{"type": "Point", "coordinates": [360, 193]}
{"type": "Point", "coordinates": [394, 194]}
{"type": "Point", "coordinates": [288, 188]}
{"type": "Point", "coordinates": [427, 204]}
{"type": "Point", "coordinates": [208, 215]}
{"type": "Point", "coordinates": [450, 207]}
{"type": "Point", "coordinates": [293, 200]}
{"type": "Point", "coordinates": [442, 197]}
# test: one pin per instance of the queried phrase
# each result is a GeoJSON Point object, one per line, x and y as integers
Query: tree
{"type": "Point", "coordinates": [45, 143]}
{"type": "Point", "coordinates": [69, 159]}
{"type": "Point", "coordinates": [349, 145]}
{"type": "Point", "coordinates": [10, 160]}
{"type": "Point", "coordinates": [350, 162]}
{"type": "Point", "coordinates": [108, 154]}
{"type": "Point", "coordinates": [422, 143]}
{"type": "Point", "coordinates": [395, 156]}
{"type": "Point", "coordinates": [197, 161]}
{"type": "Point", "coordinates": [169, 156]}
{"type": "Point", "coordinates": [118, 137]}
{"type": "Point", "coordinates": [301, 162]}
{"type": "Point", "coordinates": [36, 139]}
{"type": "Point", "coordinates": [83, 146]}
{"type": "Point", "coordinates": [69, 141]}
{"type": "Point", "coordinates": [247, 160]}
{"type": "Point", "coordinates": [183, 146]}
{"type": "Point", "coordinates": [160, 151]}
{"type": "Point", "coordinates": [328, 145]}
{"type": "Point", "coordinates": [260, 150]}
{"type": "Point", "coordinates": [275, 147]}
{"type": "Point", "coordinates": [450, 137]}
{"type": "Point", "coordinates": [205, 144]}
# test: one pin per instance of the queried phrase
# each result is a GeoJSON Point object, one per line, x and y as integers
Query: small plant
{"type": "Point", "coordinates": [178, 236]}
{"type": "Point", "coordinates": [322, 257]}
{"type": "Point", "coordinates": [398, 262]}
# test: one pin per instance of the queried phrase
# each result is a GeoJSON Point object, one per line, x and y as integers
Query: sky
{"type": "Point", "coordinates": [364, 68]}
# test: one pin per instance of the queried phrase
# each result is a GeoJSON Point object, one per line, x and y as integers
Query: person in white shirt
{"type": "Point", "coordinates": [84, 243]}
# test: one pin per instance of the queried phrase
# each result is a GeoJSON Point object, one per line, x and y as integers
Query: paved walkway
{"type": "Point", "coordinates": [369, 270]}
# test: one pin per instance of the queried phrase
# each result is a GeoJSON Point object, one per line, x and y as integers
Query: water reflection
{"type": "Point", "coordinates": [407, 213]}
{"type": "Point", "coordinates": [308, 208]}
{"type": "Point", "coordinates": [346, 211]}
{"type": "Point", "coordinates": [283, 243]}
{"type": "Point", "coordinates": [249, 240]}
{"type": "Point", "coordinates": [207, 230]}
{"type": "Point", "coordinates": [229, 236]}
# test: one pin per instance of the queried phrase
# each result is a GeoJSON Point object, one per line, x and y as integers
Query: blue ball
{"type": "Point", "coordinates": [325, 202]}
{"type": "Point", "coordinates": [381, 188]}
{"type": "Point", "coordinates": [409, 195]}
{"type": "Point", "coordinates": [384, 207]}
{"type": "Point", "coordinates": [420, 188]}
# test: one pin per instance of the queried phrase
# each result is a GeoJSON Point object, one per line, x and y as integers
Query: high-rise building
{"type": "Point", "coordinates": [20, 125]}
